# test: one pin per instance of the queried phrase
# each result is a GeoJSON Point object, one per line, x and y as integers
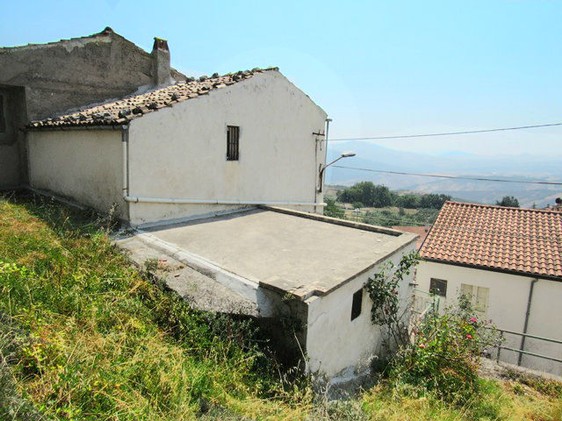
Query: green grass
{"type": "Point", "coordinates": [84, 336]}
{"type": "Point", "coordinates": [102, 342]}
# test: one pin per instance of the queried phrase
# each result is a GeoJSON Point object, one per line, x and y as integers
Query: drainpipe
{"type": "Point", "coordinates": [527, 315]}
{"type": "Point", "coordinates": [125, 145]}
{"type": "Point", "coordinates": [328, 121]}
{"type": "Point", "coordinates": [323, 164]}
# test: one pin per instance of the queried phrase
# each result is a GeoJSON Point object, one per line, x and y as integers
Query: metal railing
{"type": "Point", "coordinates": [521, 351]}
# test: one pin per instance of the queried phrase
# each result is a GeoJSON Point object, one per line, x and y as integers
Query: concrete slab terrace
{"type": "Point", "coordinates": [286, 251]}
{"type": "Point", "coordinates": [199, 290]}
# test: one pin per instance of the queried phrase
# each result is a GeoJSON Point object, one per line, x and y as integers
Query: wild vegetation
{"type": "Point", "coordinates": [509, 201]}
{"type": "Point", "coordinates": [84, 336]}
{"type": "Point", "coordinates": [94, 339]}
{"type": "Point", "coordinates": [367, 194]}
{"type": "Point", "coordinates": [377, 205]}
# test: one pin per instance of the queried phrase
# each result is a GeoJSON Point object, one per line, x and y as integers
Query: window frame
{"type": "Point", "coordinates": [356, 304]}
{"type": "Point", "coordinates": [479, 297]}
{"type": "Point", "coordinates": [232, 143]}
{"type": "Point", "coordinates": [433, 288]}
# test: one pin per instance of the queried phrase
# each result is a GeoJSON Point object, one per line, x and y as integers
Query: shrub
{"type": "Point", "coordinates": [332, 209]}
{"type": "Point", "coordinates": [383, 289]}
{"type": "Point", "coordinates": [443, 357]}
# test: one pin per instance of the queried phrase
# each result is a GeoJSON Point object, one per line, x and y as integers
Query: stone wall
{"type": "Point", "coordinates": [68, 74]}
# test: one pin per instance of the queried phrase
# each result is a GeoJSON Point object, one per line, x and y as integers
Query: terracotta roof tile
{"type": "Point", "coordinates": [420, 231]}
{"type": "Point", "coordinates": [512, 239]}
{"type": "Point", "coordinates": [135, 106]}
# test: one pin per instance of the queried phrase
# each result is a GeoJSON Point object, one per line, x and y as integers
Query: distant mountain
{"type": "Point", "coordinates": [526, 168]}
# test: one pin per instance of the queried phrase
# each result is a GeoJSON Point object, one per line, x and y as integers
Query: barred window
{"type": "Point", "coordinates": [232, 143]}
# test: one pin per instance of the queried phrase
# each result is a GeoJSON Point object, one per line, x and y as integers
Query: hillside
{"type": "Point", "coordinates": [526, 168]}
{"type": "Point", "coordinates": [84, 336]}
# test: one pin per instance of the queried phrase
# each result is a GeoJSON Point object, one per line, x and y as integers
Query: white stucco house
{"type": "Point", "coordinates": [197, 147]}
{"type": "Point", "coordinates": [508, 261]}
{"type": "Point", "coordinates": [222, 174]}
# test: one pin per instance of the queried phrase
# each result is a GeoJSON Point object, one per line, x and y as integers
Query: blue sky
{"type": "Point", "coordinates": [377, 67]}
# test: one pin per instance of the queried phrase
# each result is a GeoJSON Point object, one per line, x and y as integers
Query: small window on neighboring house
{"type": "Point", "coordinates": [476, 296]}
{"type": "Point", "coordinates": [2, 115]}
{"type": "Point", "coordinates": [357, 304]}
{"type": "Point", "coordinates": [438, 287]}
{"type": "Point", "coordinates": [232, 143]}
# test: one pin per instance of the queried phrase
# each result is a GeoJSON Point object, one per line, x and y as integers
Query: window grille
{"type": "Point", "coordinates": [232, 143]}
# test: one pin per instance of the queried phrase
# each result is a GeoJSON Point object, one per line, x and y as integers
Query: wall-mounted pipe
{"type": "Point", "coordinates": [125, 145]}
{"type": "Point", "coordinates": [527, 315]}
{"type": "Point", "coordinates": [182, 201]}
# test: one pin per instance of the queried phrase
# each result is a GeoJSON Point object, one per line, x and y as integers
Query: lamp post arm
{"type": "Point", "coordinates": [321, 176]}
{"type": "Point", "coordinates": [323, 168]}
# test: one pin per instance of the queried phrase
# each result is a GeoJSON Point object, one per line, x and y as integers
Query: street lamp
{"type": "Point", "coordinates": [323, 168]}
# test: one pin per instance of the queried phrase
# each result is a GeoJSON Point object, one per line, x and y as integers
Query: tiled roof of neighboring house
{"type": "Point", "coordinates": [134, 106]}
{"type": "Point", "coordinates": [420, 231]}
{"type": "Point", "coordinates": [526, 241]}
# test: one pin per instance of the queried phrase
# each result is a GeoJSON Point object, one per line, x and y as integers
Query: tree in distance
{"type": "Point", "coordinates": [508, 201]}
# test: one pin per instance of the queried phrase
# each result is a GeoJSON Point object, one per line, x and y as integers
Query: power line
{"type": "Point", "coordinates": [535, 126]}
{"type": "Point", "coordinates": [455, 177]}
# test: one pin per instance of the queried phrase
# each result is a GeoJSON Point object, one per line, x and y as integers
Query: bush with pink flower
{"type": "Point", "coordinates": [444, 355]}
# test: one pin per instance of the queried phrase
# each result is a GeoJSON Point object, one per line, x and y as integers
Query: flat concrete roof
{"type": "Point", "coordinates": [284, 250]}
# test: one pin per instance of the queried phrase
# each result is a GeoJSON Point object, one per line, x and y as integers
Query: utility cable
{"type": "Point", "coordinates": [454, 177]}
{"type": "Point", "coordinates": [535, 126]}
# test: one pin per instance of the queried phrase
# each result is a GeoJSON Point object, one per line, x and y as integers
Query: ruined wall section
{"type": "Point", "coordinates": [73, 73]}
{"type": "Point", "coordinates": [68, 74]}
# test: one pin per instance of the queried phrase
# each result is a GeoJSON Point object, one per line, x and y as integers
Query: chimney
{"type": "Point", "coordinates": [161, 62]}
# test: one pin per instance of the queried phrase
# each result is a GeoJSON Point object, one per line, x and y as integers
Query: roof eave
{"type": "Point", "coordinates": [494, 269]}
{"type": "Point", "coordinates": [115, 126]}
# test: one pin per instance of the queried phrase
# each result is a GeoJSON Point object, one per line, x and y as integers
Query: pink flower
{"type": "Point", "coordinates": [473, 320]}
{"type": "Point", "coordinates": [422, 346]}
{"type": "Point", "coordinates": [469, 336]}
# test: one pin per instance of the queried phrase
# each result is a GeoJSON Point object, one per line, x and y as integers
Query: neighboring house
{"type": "Point", "coordinates": [40, 80]}
{"type": "Point", "coordinates": [508, 262]}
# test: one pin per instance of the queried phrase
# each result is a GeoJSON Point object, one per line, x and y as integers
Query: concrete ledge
{"type": "Point", "coordinates": [242, 286]}
{"type": "Point", "coordinates": [335, 221]}
{"type": "Point", "coordinates": [199, 290]}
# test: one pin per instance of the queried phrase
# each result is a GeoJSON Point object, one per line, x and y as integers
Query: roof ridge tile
{"type": "Point", "coordinates": [125, 109]}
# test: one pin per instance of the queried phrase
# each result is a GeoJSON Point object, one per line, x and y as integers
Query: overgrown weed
{"type": "Point", "coordinates": [85, 336]}
{"type": "Point", "coordinates": [107, 343]}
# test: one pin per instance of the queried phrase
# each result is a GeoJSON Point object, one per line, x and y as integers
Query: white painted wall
{"type": "Point", "coordinates": [545, 321]}
{"type": "Point", "coordinates": [180, 152]}
{"type": "Point", "coordinates": [341, 348]}
{"type": "Point", "coordinates": [507, 305]}
{"type": "Point", "coordinates": [85, 165]}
